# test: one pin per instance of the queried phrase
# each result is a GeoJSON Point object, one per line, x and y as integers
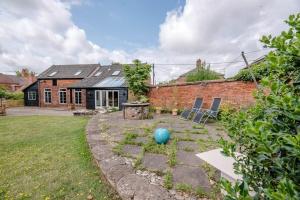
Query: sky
{"type": "Point", "coordinates": [171, 34]}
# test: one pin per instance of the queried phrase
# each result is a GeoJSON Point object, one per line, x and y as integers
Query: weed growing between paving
{"type": "Point", "coordinates": [186, 188]}
{"type": "Point", "coordinates": [172, 151]}
{"type": "Point", "coordinates": [168, 180]}
{"type": "Point", "coordinates": [207, 144]}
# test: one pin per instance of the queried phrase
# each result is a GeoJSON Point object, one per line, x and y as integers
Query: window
{"type": "Point", "coordinates": [78, 72]}
{"type": "Point", "coordinates": [78, 96]}
{"type": "Point", "coordinates": [54, 82]}
{"type": "Point", "coordinates": [98, 74]}
{"type": "Point", "coordinates": [47, 95]}
{"type": "Point", "coordinates": [62, 96]}
{"type": "Point", "coordinates": [52, 74]}
{"type": "Point", "coordinates": [116, 73]}
{"type": "Point", "coordinates": [32, 95]}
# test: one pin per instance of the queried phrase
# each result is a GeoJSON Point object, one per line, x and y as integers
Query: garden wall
{"type": "Point", "coordinates": [234, 93]}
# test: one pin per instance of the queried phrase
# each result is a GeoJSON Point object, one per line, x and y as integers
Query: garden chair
{"type": "Point", "coordinates": [197, 106]}
{"type": "Point", "coordinates": [203, 114]}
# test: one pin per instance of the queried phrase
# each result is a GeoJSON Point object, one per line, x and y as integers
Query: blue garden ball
{"type": "Point", "coordinates": [161, 135]}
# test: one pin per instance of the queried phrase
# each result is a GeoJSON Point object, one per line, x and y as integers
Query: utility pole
{"type": "Point", "coordinates": [247, 65]}
{"type": "Point", "coordinates": [153, 75]}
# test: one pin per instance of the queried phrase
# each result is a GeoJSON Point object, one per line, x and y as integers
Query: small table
{"type": "Point", "coordinates": [141, 105]}
{"type": "Point", "coordinates": [222, 163]}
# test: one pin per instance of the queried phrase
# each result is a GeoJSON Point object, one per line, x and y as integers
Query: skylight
{"type": "Point", "coordinates": [77, 73]}
{"type": "Point", "coordinates": [98, 74]}
{"type": "Point", "coordinates": [52, 74]}
{"type": "Point", "coordinates": [116, 73]}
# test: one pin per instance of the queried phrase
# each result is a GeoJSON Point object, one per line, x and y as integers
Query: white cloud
{"type": "Point", "coordinates": [41, 32]}
{"type": "Point", "coordinates": [219, 30]}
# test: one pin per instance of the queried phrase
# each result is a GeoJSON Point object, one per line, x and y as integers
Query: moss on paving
{"type": "Point", "coordinates": [47, 157]}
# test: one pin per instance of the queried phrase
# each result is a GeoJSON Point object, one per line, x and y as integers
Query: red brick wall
{"type": "Point", "coordinates": [235, 93]}
{"type": "Point", "coordinates": [55, 93]}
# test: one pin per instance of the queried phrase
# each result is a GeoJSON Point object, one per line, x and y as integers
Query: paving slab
{"type": "Point", "coordinates": [136, 187]}
{"type": "Point", "coordinates": [155, 162]}
{"type": "Point", "coordinates": [142, 140]}
{"type": "Point", "coordinates": [101, 152]}
{"type": "Point", "coordinates": [188, 158]}
{"type": "Point", "coordinates": [193, 176]}
{"type": "Point", "coordinates": [132, 150]}
{"type": "Point", "coordinates": [115, 173]}
{"type": "Point", "coordinates": [188, 144]}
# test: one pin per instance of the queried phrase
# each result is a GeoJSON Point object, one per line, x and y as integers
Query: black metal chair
{"type": "Point", "coordinates": [197, 106]}
{"type": "Point", "coordinates": [203, 114]}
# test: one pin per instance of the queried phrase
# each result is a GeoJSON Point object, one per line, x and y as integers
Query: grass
{"type": "Point", "coordinates": [45, 157]}
{"type": "Point", "coordinates": [188, 149]}
{"type": "Point", "coordinates": [186, 188]}
{"type": "Point", "coordinates": [172, 151]}
{"type": "Point", "coordinates": [168, 180]}
{"type": "Point", "coordinates": [183, 187]}
{"type": "Point", "coordinates": [207, 144]}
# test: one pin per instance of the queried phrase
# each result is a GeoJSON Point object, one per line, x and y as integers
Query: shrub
{"type": "Point", "coordinates": [268, 134]}
{"type": "Point", "coordinates": [203, 73]}
{"type": "Point", "coordinates": [136, 77]}
{"type": "Point", "coordinates": [259, 71]}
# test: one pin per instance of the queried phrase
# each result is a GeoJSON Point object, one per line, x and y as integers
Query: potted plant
{"type": "Point", "coordinates": [174, 111]}
{"type": "Point", "coordinates": [158, 110]}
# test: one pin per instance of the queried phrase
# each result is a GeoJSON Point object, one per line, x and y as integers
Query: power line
{"type": "Point", "coordinates": [255, 51]}
{"type": "Point", "coordinates": [208, 63]}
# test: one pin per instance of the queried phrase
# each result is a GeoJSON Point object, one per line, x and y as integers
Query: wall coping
{"type": "Point", "coordinates": [197, 83]}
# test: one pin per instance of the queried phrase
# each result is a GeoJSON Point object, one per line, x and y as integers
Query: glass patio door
{"type": "Point", "coordinates": [106, 98]}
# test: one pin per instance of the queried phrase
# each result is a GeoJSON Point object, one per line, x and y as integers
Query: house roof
{"type": "Point", "coordinates": [11, 79]}
{"type": "Point", "coordinates": [76, 71]}
{"type": "Point", "coordinates": [105, 76]}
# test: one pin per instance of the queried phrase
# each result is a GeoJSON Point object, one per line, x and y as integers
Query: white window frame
{"type": "Point", "coordinates": [52, 74]}
{"type": "Point", "coordinates": [78, 72]}
{"type": "Point", "coordinates": [78, 91]}
{"type": "Point", "coordinates": [115, 73]}
{"type": "Point", "coordinates": [48, 91]}
{"type": "Point", "coordinates": [31, 95]}
{"type": "Point", "coordinates": [106, 95]}
{"type": "Point", "coordinates": [62, 90]}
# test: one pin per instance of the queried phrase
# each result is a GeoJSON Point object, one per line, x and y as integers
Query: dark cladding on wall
{"type": "Point", "coordinates": [234, 93]}
{"type": "Point", "coordinates": [33, 88]}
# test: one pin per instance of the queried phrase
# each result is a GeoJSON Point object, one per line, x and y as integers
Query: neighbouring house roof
{"type": "Point", "coordinates": [11, 79]}
{"type": "Point", "coordinates": [105, 76]}
{"type": "Point", "coordinates": [76, 71]}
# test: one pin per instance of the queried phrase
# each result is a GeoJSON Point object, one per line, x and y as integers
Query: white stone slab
{"type": "Point", "coordinates": [222, 163]}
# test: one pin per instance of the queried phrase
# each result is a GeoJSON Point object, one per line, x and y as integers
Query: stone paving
{"type": "Point", "coordinates": [137, 167]}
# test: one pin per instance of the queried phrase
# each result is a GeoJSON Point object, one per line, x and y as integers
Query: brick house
{"type": "Point", "coordinates": [88, 86]}
{"type": "Point", "coordinates": [15, 83]}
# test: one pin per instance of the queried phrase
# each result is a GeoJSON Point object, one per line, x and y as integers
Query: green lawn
{"type": "Point", "coordinates": [43, 157]}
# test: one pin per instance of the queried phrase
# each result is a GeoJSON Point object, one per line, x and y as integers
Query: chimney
{"type": "Point", "coordinates": [198, 64]}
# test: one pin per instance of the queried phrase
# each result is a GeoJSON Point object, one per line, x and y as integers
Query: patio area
{"type": "Point", "coordinates": [141, 169]}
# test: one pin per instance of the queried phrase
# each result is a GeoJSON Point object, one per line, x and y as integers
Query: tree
{"type": "Point", "coordinates": [25, 72]}
{"type": "Point", "coordinates": [268, 134]}
{"type": "Point", "coordinates": [136, 76]}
